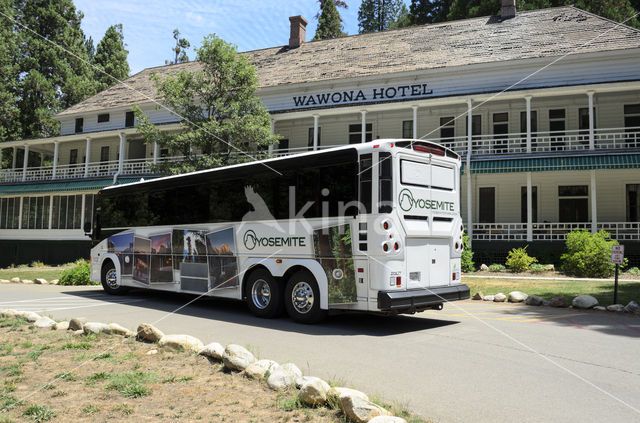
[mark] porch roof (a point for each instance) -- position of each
(546, 164)
(44, 188)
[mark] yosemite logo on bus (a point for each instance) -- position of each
(407, 202)
(251, 241)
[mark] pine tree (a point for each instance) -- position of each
(180, 49)
(91, 50)
(377, 15)
(403, 19)
(428, 11)
(339, 3)
(9, 112)
(329, 25)
(111, 58)
(53, 64)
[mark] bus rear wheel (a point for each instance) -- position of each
(302, 298)
(110, 281)
(264, 294)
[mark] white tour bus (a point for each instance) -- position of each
(370, 227)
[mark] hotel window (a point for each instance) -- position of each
(557, 126)
(633, 202)
(73, 156)
(310, 137)
(104, 117)
(104, 153)
(632, 123)
(487, 205)
(573, 203)
(9, 212)
(79, 125)
(523, 127)
(500, 131)
(283, 144)
(476, 128)
(583, 123)
(67, 212)
(35, 213)
(355, 133)
(129, 119)
(407, 129)
(523, 204)
(447, 129)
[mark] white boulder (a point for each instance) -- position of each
(237, 357)
(180, 342)
(149, 333)
(488, 298)
(40, 281)
(387, 419)
(615, 307)
(499, 298)
(61, 326)
(44, 322)
(213, 350)
(632, 307)
(96, 328)
(314, 392)
(77, 323)
(29, 316)
(359, 410)
(584, 302)
(15, 280)
(117, 329)
(517, 297)
(283, 377)
(259, 369)
(5, 281)
(334, 393)
(27, 281)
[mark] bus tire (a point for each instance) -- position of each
(109, 279)
(264, 294)
(302, 298)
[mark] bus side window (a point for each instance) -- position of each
(365, 182)
(386, 187)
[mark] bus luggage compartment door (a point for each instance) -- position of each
(427, 262)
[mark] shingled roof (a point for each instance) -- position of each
(529, 35)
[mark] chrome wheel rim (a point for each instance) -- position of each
(302, 297)
(111, 279)
(261, 294)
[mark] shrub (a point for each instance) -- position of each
(466, 261)
(78, 275)
(588, 255)
(518, 260)
(37, 263)
(633, 271)
(538, 268)
(496, 268)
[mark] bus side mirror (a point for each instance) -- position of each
(87, 227)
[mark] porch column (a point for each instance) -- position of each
(87, 157)
(123, 139)
(82, 211)
(20, 215)
(594, 209)
(415, 122)
(13, 159)
(529, 208)
(56, 153)
(50, 211)
(25, 162)
(273, 130)
(468, 171)
(155, 152)
(41, 159)
(364, 126)
(315, 131)
(528, 100)
(1, 151)
(592, 140)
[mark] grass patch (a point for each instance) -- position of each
(123, 408)
(76, 346)
(12, 369)
(66, 376)
(603, 291)
(289, 401)
(7, 402)
(39, 413)
(90, 410)
(131, 385)
(31, 273)
(36, 353)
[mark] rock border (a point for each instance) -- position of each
(581, 302)
(312, 391)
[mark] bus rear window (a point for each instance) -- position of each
(426, 175)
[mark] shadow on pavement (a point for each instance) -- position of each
(237, 312)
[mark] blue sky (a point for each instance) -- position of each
(249, 24)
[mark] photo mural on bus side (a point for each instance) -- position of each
(332, 247)
(122, 246)
(223, 263)
(141, 258)
(189, 246)
(161, 261)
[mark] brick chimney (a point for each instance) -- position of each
(508, 9)
(298, 31)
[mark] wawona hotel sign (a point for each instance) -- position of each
(364, 95)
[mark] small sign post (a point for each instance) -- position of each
(617, 257)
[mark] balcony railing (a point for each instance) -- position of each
(620, 231)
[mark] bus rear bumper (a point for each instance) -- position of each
(420, 299)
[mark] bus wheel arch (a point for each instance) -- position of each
(302, 298)
(263, 292)
(110, 276)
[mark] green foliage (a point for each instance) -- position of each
(378, 15)
(9, 78)
(180, 49)
(588, 255)
(428, 11)
(466, 261)
(39, 413)
(111, 58)
(403, 19)
(37, 263)
(518, 260)
(235, 124)
(496, 268)
(329, 22)
(633, 271)
(78, 275)
(538, 268)
(131, 385)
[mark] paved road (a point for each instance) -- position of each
(471, 362)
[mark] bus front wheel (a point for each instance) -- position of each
(264, 294)
(302, 298)
(110, 281)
